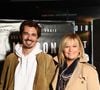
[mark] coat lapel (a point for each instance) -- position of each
(37, 71)
(54, 82)
(76, 74)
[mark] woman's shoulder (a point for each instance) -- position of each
(90, 65)
(89, 68)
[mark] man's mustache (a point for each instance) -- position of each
(28, 40)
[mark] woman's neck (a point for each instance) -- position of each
(69, 62)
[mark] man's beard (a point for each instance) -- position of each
(28, 44)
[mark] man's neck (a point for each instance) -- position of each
(26, 51)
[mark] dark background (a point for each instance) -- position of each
(35, 9)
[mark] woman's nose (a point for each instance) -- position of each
(70, 48)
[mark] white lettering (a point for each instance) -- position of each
(51, 49)
(84, 43)
(50, 30)
(45, 47)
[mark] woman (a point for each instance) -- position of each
(74, 72)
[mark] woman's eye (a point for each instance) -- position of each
(74, 46)
(66, 46)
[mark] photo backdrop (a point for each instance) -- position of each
(52, 31)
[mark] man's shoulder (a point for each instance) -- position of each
(11, 55)
(43, 55)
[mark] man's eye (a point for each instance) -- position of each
(33, 34)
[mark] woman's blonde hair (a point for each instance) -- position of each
(63, 42)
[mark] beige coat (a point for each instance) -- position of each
(84, 77)
(44, 73)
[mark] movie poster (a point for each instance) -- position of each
(6, 27)
(52, 31)
(84, 28)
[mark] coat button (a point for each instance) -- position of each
(82, 82)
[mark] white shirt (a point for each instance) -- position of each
(26, 69)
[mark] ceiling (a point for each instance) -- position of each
(41, 9)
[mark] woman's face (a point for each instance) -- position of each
(72, 49)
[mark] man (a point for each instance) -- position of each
(28, 68)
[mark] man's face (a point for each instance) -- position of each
(29, 37)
